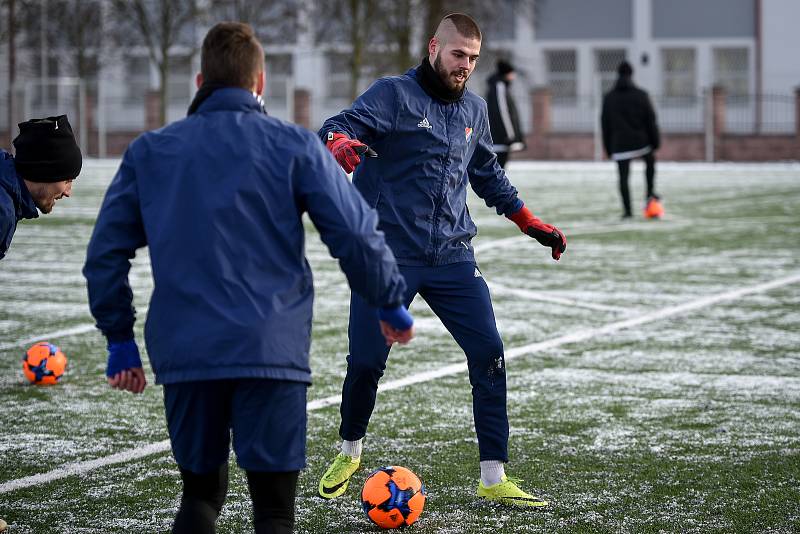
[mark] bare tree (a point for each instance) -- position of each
(485, 13)
(273, 20)
(379, 34)
(354, 23)
(12, 67)
(68, 31)
(81, 34)
(398, 25)
(4, 20)
(159, 26)
(401, 17)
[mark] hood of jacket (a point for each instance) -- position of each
(624, 83)
(13, 185)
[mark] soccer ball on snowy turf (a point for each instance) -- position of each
(393, 497)
(44, 364)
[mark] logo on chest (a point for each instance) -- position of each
(468, 133)
(424, 123)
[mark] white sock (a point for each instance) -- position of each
(352, 448)
(492, 472)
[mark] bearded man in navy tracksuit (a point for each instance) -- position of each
(432, 138)
(218, 198)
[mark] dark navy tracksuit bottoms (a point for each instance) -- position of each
(458, 295)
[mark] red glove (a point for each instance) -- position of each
(346, 151)
(546, 234)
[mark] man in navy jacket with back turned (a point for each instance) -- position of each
(218, 198)
(432, 139)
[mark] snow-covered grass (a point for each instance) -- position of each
(688, 421)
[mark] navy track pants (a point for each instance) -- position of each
(458, 295)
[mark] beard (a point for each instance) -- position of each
(42, 196)
(45, 205)
(450, 79)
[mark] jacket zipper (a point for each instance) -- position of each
(440, 197)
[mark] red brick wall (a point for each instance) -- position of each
(116, 142)
(562, 146)
(758, 148)
(545, 144)
(675, 147)
(302, 107)
(682, 147)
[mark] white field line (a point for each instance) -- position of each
(47, 336)
(79, 468)
(88, 327)
(538, 295)
(82, 329)
(583, 231)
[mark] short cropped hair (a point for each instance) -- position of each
(625, 69)
(465, 25)
(231, 55)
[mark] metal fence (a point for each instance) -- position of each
(106, 116)
(745, 114)
(766, 114)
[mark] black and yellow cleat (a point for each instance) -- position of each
(507, 492)
(336, 479)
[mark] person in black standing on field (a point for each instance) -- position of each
(630, 132)
(504, 125)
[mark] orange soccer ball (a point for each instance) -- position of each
(393, 497)
(44, 364)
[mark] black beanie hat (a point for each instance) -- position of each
(625, 69)
(46, 150)
(504, 67)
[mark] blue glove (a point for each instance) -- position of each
(122, 355)
(397, 317)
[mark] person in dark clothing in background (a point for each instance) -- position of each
(507, 134)
(47, 161)
(630, 132)
(218, 199)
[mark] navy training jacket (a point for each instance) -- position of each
(428, 150)
(15, 201)
(218, 198)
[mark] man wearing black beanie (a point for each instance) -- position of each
(47, 161)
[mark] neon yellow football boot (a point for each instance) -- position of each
(336, 479)
(507, 492)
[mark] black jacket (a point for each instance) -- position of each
(628, 119)
(503, 116)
